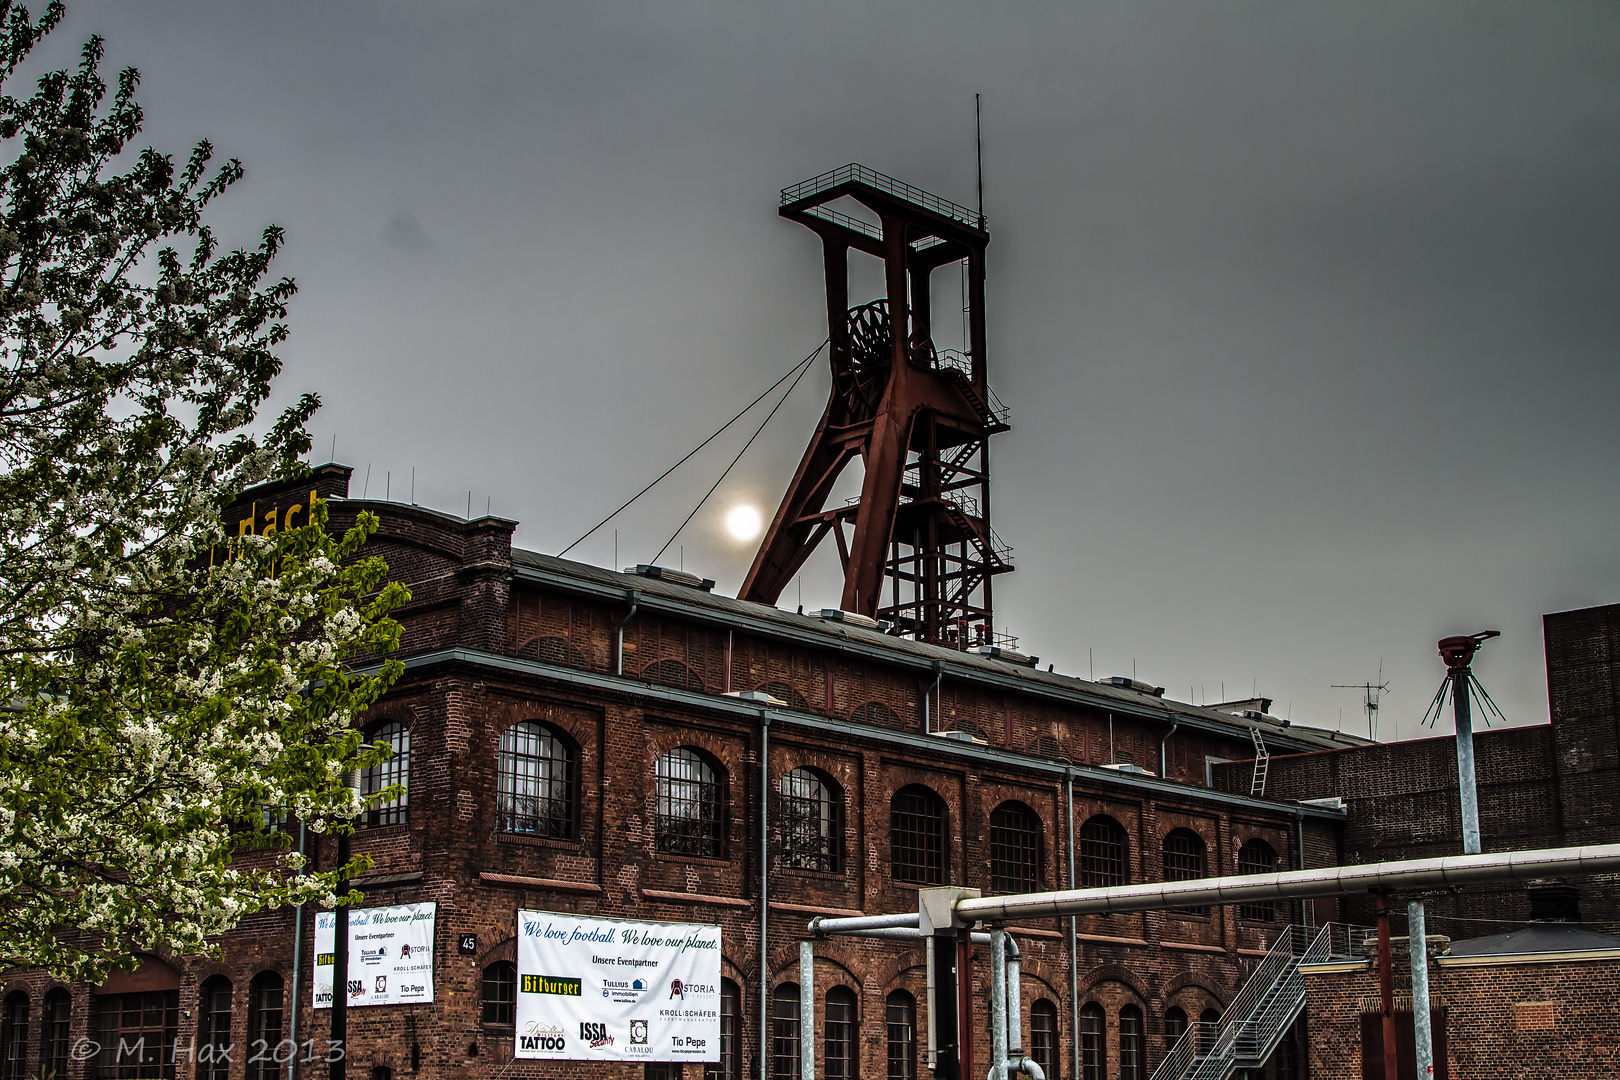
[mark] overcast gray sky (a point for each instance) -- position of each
(1308, 315)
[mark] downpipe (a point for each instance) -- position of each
(618, 633)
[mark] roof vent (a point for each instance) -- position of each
(832, 614)
(1012, 656)
(1334, 803)
(759, 696)
(962, 736)
(1128, 767)
(674, 577)
(1134, 684)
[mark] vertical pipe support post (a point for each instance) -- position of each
(1458, 653)
(1386, 986)
(807, 1010)
(998, 1003)
(1418, 940)
(949, 943)
(1015, 1002)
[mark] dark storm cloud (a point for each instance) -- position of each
(1307, 314)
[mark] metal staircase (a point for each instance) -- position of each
(1263, 1010)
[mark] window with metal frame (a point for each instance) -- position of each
(214, 1029)
(500, 993)
(1092, 1059)
(265, 1006)
(1132, 1063)
(1043, 1036)
(812, 821)
(663, 1070)
(1175, 1026)
(900, 1015)
(1015, 849)
(1209, 1028)
(14, 1037)
(917, 836)
(839, 1027)
(730, 1011)
(56, 1023)
(1184, 861)
(690, 818)
(534, 788)
(1257, 857)
(385, 774)
(135, 1035)
(1104, 854)
(785, 1032)
(1287, 1059)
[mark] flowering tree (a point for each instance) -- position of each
(168, 696)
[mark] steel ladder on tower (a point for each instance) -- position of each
(1263, 1010)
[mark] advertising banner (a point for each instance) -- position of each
(610, 990)
(390, 955)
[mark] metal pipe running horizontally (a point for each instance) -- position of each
(1410, 875)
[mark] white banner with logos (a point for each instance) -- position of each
(594, 989)
(390, 955)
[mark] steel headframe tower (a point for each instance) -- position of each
(922, 555)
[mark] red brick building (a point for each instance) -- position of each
(574, 739)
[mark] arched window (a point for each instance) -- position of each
(264, 1025)
(500, 993)
(1104, 858)
(689, 818)
(730, 1010)
(663, 1070)
(917, 836)
(1132, 1065)
(534, 793)
(838, 1038)
(1092, 1060)
(385, 774)
(1209, 1027)
(214, 1029)
(1257, 857)
(785, 1032)
(900, 1013)
(1184, 861)
(14, 1037)
(56, 1026)
(136, 1030)
(874, 712)
(672, 673)
(1043, 1036)
(1175, 1026)
(812, 816)
(785, 691)
(1015, 849)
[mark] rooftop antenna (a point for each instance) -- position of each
(1369, 702)
(978, 148)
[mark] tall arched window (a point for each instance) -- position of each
(785, 1032)
(1257, 857)
(1175, 1026)
(1092, 1061)
(1184, 861)
(838, 1038)
(1104, 857)
(500, 993)
(534, 792)
(917, 836)
(385, 774)
(812, 816)
(900, 1014)
(14, 1037)
(1015, 849)
(264, 1025)
(730, 1011)
(56, 1026)
(214, 1029)
(1043, 1036)
(1132, 1064)
(689, 819)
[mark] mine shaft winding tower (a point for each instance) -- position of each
(920, 554)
